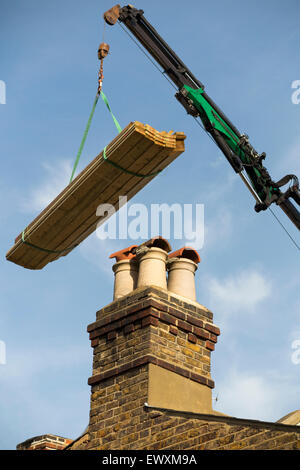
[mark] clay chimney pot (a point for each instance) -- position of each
(182, 265)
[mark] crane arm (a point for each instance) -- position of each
(191, 94)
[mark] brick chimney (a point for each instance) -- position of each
(150, 346)
(151, 384)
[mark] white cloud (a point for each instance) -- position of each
(247, 396)
(262, 396)
(56, 179)
(239, 293)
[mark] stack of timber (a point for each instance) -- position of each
(71, 216)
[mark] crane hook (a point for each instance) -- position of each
(103, 51)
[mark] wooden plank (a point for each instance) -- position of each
(89, 205)
(91, 202)
(53, 213)
(71, 216)
(89, 225)
(85, 201)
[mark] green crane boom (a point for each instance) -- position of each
(236, 147)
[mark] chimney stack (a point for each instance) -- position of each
(152, 344)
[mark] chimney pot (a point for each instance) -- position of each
(152, 267)
(158, 242)
(126, 253)
(186, 252)
(126, 275)
(182, 265)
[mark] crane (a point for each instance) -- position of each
(236, 147)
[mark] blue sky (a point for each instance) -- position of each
(247, 55)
